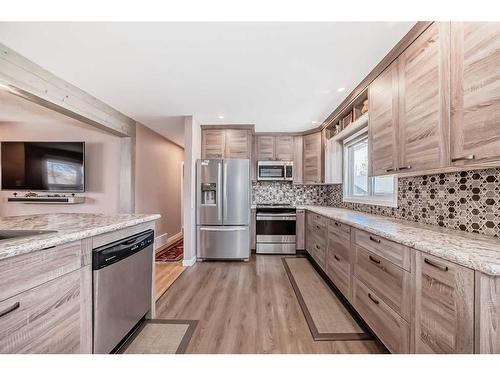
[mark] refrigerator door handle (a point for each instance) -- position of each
(219, 205)
(225, 191)
(223, 229)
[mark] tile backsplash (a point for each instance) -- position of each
(468, 201)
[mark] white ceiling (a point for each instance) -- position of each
(278, 76)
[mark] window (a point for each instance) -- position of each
(358, 187)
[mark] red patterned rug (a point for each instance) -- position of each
(173, 253)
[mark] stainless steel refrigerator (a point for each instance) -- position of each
(223, 209)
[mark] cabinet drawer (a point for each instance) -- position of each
(390, 328)
(318, 252)
(318, 221)
(392, 251)
(23, 272)
(338, 270)
(340, 229)
(390, 282)
(55, 317)
(339, 250)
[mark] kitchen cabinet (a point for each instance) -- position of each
(265, 147)
(284, 145)
(300, 226)
(297, 159)
(424, 97)
(444, 306)
(238, 144)
(316, 226)
(312, 169)
(409, 122)
(475, 94)
(253, 234)
(338, 256)
(213, 143)
(382, 123)
(280, 147)
(226, 144)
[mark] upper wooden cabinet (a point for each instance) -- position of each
(444, 306)
(475, 93)
(280, 147)
(312, 169)
(409, 107)
(424, 92)
(382, 125)
(226, 143)
(284, 147)
(265, 147)
(238, 144)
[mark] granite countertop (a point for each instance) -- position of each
(69, 227)
(479, 252)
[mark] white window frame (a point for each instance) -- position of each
(380, 200)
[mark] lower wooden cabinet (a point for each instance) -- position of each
(389, 326)
(444, 306)
(55, 317)
(300, 226)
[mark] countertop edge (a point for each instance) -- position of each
(60, 239)
(469, 262)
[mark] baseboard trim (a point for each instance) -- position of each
(189, 262)
(163, 240)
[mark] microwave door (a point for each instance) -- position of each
(209, 191)
(271, 172)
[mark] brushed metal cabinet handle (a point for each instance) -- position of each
(337, 224)
(373, 299)
(467, 157)
(374, 239)
(8, 310)
(436, 265)
(336, 258)
(392, 170)
(405, 167)
(377, 261)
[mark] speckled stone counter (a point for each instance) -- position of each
(69, 227)
(479, 252)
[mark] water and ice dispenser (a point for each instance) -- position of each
(208, 193)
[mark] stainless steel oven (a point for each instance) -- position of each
(275, 170)
(275, 230)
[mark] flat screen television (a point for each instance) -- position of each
(43, 166)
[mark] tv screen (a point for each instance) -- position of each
(43, 166)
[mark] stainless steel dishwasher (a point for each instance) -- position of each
(122, 281)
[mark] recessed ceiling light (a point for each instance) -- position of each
(340, 89)
(220, 117)
(315, 122)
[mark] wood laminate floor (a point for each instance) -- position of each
(246, 307)
(165, 275)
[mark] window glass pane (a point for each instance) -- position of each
(383, 185)
(360, 168)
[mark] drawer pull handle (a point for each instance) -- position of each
(373, 299)
(337, 224)
(317, 226)
(317, 247)
(374, 239)
(391, 170)
(8, 310)
(336, 258)
(405, 167)
(468, 157)
(374, 260)
(438, 266)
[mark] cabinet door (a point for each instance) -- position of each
(55, 317)
(297, 159)
(312, 162)
(424, 101)
(265, 147)
(301, 229)
(382, 123)
(213, 143)
(444, 301)
(475, 93)
(284, 148)
(238, 144)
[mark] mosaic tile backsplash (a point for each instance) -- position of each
(468, 201)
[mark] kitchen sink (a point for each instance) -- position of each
(10, 234)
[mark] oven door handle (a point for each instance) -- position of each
(276, 215)
(280, 218)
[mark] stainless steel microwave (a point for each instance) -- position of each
(275, 170)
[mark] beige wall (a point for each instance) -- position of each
(158, 179)
(102, 160)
